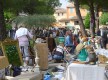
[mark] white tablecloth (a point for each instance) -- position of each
(84, 72)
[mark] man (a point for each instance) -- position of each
(23, 36)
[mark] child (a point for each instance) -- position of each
(58, 52)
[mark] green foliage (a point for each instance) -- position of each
(104, 18)
(87, 21)
(9, 16)
(8, 27)
(31, 6)
(36, 20)
(12, 54)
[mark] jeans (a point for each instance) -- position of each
(25, 52)
(57, 57)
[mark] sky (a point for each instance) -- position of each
(64, 3)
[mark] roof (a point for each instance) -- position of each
(66, 19)
(60, 10)
(75, 18)
(70, 5)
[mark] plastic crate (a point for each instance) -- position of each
(47, 77)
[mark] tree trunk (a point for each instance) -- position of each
(2, 23)
(92, 19)
(97, 18)
(76, 4)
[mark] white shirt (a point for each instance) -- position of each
(60, 49)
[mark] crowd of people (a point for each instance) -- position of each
(72, 39)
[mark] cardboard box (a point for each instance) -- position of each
(3, 62)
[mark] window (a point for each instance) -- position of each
(76, 22)
(71, 10)
(58, 14)
(62, 14)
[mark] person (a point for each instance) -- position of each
(23, 35)
(68, 42)
(58, 52)
(104, 37)
(12, 32)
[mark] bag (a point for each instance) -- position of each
(13, 71)
(79, 47)
(82, 56)
(16, 71)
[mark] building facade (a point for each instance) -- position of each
(69, 17)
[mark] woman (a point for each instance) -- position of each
(23, 35)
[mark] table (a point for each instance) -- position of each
(29, 76)
(84, 72)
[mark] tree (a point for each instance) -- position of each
(87, 21)
(31, 6)
(35, 20)
(92, 17)
(8, 16)
(17, 6)
(2, 23)
(104, 18)
(94, 7)
(76, 3)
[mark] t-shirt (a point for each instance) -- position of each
(60, 49)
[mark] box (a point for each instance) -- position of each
(3, 62)
(47, 77)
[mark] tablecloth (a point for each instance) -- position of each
(84, 72)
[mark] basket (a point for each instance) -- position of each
(102, 59)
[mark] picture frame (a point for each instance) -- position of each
(12, 51)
